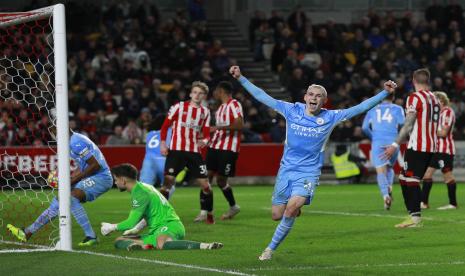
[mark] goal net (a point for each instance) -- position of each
(33, 99)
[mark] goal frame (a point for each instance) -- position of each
(57, 12)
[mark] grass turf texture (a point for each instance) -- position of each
(344, 231)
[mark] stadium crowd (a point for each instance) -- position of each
(126, 64)
(352, 61)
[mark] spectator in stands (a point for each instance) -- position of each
(297, 85)
(297, 20)
(263, 35)
(278, 131)
(91, 102)
(117, 137)
(122, 49)
(144, 120)
(102, 124)
(133, 132)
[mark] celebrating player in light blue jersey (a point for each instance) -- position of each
(153, 167)
(91, 179)
(308, 127)
(381, 125)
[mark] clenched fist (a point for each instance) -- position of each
(390, 86)
(235, 71)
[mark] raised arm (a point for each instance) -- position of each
(256, 92)
(368, 104)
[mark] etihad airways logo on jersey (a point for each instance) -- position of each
(193, 126)
(307, 131)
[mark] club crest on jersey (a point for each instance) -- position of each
(135, 203)
(411, 109)
(320, 121)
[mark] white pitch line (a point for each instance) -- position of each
(25, 250)
(353, 266)
(231, 272)
(337, 213)
(44, 248)
(28, 244)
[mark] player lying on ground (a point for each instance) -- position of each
(444, 157)
(381, 125)
(89, 181)
(308, 128)
(166, 230)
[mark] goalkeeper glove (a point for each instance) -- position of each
(107, 228)
(136, 229)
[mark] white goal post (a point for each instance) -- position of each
(58, 33)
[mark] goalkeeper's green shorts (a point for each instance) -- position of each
(174, 229)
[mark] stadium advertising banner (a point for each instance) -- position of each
(254, 159)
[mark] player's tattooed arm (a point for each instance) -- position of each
(404, 132)
(407, 128)
(91, 169)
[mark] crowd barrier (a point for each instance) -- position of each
(255, 160)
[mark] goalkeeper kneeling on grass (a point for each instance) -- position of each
(149, 207)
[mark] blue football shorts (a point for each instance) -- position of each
(153, 169)
(94, 186)
(290, 184)
(377, 150)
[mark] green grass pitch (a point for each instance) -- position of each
(344, 232)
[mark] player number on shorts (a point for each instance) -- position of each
(227, 170)
(385, 117)
(203, 169)
(88, 182)
(154, 142)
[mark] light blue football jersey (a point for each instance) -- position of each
(306, 135)
(82, 148)
(152, 142)
(381, 124)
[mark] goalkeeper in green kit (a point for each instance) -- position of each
(149, 207)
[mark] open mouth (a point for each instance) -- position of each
(312, 104)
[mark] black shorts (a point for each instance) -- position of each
(177, 160)
(442, 161)
(416, 163)
(222, 162)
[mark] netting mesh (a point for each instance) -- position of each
(26, 147)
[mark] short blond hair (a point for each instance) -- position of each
(320, 87)
(200, 85)
(421, 76)
(442, 96)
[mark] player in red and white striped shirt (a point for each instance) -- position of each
(224, 146)
(421, 124)
(190, 123)
(444, 157)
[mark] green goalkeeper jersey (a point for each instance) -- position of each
(148, 203)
